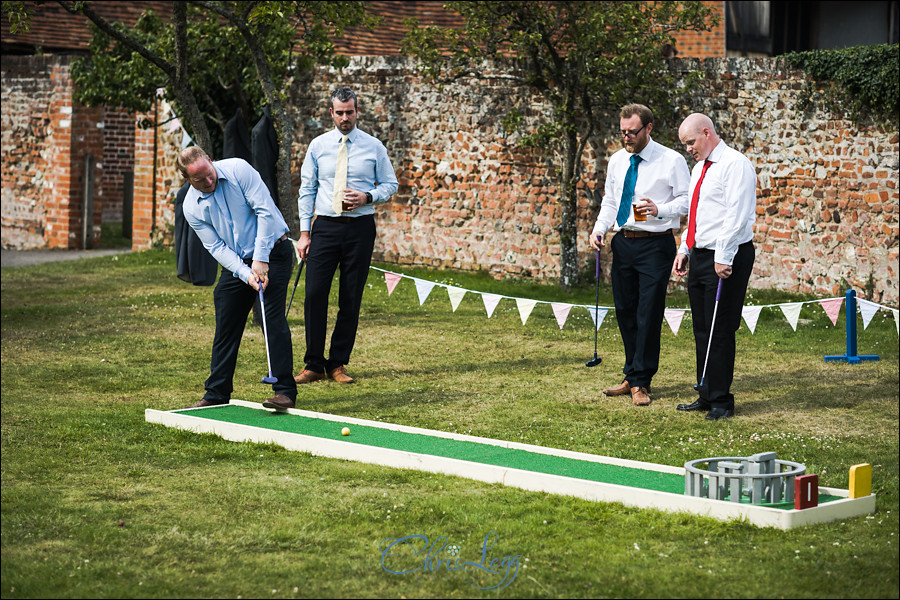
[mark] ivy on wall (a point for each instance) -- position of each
(863, 81)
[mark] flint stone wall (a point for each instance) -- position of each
(471, 198)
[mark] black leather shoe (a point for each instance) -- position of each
(715, 414)
(695, 405)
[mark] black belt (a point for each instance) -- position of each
(335, 219)
(642, 234)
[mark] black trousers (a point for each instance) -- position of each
(640, 274)
(233, 300)
(346, 244)
(702, 285)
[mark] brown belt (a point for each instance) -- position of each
(642, 234)
(281, 239)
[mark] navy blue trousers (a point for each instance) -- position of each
(347, 245)
(233, 300)
(640, 275)
(702, 285)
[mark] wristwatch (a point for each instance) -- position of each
(368, 198)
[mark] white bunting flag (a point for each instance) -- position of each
(673, 318)
(791, 312)
(751, 316)
(423, 288)
(525, 308)
(561, 311)
(896, 319)
(490, 302)
(391, 279)
(832, 308)
(456, 295)
(867, 310)
(597, 315)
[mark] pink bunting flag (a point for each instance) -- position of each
(561, 311)
(391, 279)
(832, 308)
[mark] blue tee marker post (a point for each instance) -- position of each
(851, 357)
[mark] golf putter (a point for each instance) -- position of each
(709, 343)
(296, 280)
(262, 312)
(596, 360)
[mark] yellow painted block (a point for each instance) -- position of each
(860, 480)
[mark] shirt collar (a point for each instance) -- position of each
(716, 154)
(647, 151)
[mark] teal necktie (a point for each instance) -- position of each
(628, 191)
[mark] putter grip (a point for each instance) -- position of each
(597, 270)
(719, 290)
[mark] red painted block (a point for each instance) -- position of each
(806, 491)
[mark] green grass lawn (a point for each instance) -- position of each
(97, 502)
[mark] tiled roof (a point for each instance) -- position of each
(53, 30)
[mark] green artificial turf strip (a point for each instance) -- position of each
(448, 448)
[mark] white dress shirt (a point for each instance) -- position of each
(662, 176)
(727, 206)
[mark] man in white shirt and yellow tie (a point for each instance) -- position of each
(645, 196)
(718, 245)
(345, 173)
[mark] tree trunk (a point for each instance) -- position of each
(568, 218)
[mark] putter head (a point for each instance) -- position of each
(269, 379)
(594, 361)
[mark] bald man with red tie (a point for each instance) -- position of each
(718, 245)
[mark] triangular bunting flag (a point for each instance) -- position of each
(391, 279)
(525, 308)
(832, 308)
(896, 319)
(791, 312)
(562, 312)
(423, 288)
(867, 310)
(490, 302)
(673, 318)
(751, 316)
(597, 315)
(456, 295)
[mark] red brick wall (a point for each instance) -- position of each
(118, 159)
(704, 44)
(45, 140)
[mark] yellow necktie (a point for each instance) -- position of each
(340, 178)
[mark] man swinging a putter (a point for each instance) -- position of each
(718, 245)
(235, 217)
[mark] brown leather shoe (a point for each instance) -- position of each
(339, 374)
(620, 390)
(278, 401)
(204, 403)
(640, 396)
(307, 376)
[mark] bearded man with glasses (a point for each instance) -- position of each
(645, 195)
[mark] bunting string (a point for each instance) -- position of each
(673, 316)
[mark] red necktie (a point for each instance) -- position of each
(692, 216)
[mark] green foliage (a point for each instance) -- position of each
(222, 73)
(864, 81)
(586, 59)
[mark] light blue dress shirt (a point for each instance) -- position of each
(368, 170)
(238, 220)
